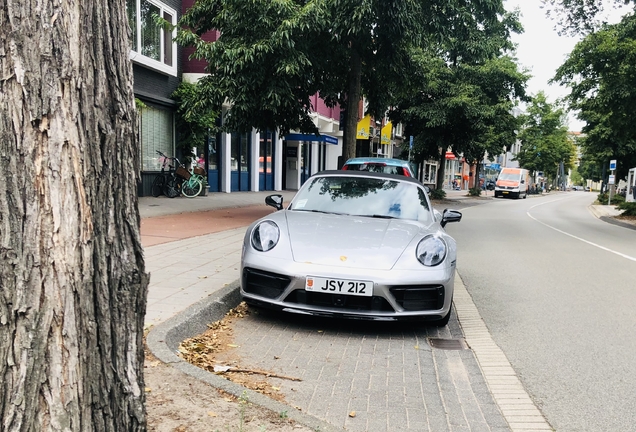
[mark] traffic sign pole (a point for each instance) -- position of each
(612, 180)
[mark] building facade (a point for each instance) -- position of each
(157, 69)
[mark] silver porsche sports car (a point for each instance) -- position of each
(353, 244)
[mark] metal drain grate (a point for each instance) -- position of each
(448, 344)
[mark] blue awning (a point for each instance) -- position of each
(311, 137)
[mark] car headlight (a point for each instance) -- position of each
(431, 251)
(265, 236)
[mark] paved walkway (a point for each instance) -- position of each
(192, 246)
(192, 249)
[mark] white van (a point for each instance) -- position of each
(512, 182)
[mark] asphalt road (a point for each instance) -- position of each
(557, 289)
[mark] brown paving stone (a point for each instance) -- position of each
(164, 229)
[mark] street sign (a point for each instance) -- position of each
(411, 142)
(612, 179)
(613, 165)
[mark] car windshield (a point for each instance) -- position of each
(362, 196)
(376, 167)
(508, 176)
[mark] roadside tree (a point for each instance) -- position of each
(72, 278)
(582, 16)
(544, 138)
(461, 96)
(272, 57)
(600, 74)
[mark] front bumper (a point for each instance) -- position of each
(397, 295)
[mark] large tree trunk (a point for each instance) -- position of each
(441, 170)
(72, 277)
(353, 98)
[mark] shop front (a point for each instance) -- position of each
(305, 155)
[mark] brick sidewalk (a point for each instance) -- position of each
(169, 228)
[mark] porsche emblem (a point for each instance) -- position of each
(343, 258)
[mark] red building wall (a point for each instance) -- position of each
(193, 65)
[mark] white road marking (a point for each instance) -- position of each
(631, 258)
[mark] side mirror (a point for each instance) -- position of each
(427, 189)
(523, 181)
(450, 216)
(275, 201)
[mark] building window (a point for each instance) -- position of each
(151, 44)
(157, 133)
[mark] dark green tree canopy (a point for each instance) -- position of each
(273, 55)
(582, 16)
(462, 94)
(601, 75)
(544, 137)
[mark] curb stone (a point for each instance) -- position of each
(163, 341)
(617, 222)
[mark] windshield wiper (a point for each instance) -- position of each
(380, 216)
(321, 211)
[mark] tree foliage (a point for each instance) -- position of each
(600, 73)
(581, 16)
(462, 95)
(544, 138)
(194, 125)
(589, 167)
(272, 56)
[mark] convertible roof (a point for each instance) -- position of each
(343, 173)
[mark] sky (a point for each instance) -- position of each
(541, 50)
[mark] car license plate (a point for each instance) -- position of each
(339, 286)
(504, 192)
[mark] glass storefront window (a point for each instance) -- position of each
(152, 45)
(157, 133)
(239, 152)
(212, 156)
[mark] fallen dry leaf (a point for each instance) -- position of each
(352, 414)
(212, 414)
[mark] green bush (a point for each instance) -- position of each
(629, 208)
(474, 191)
(616, 199)
(438, 194)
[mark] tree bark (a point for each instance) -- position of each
(441, 170)
(72, 276)
(353, 98)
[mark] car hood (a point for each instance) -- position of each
(349, 242)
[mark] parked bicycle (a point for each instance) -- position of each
(177, 179)
(192, 181)
(160, 183)
(168, 182)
